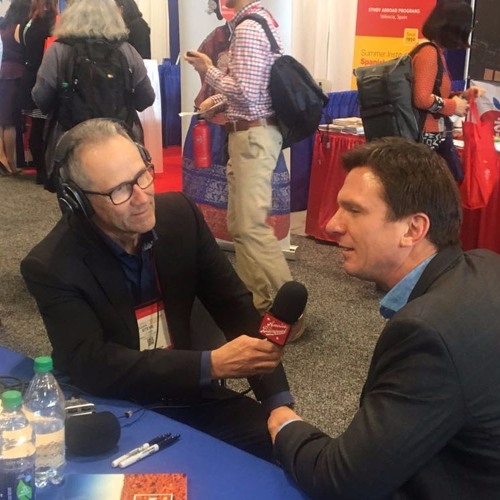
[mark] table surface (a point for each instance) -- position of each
(215, 470)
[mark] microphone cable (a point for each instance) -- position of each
(9, 383)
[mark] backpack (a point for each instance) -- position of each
(297, 100)
(386, 99)
(97, 83)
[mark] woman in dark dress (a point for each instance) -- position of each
(33, 34)
(139, 31)
(11, 71)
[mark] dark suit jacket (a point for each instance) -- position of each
(428, 426)
(89, 314)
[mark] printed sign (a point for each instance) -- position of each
(386, 29)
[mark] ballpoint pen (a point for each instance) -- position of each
(141, 448)
(149, 451)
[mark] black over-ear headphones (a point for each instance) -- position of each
(70, 196)
(218, 12)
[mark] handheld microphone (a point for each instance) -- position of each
(288, 306)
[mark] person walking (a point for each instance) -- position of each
(254, 145)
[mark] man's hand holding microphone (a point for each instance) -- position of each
(248, 356)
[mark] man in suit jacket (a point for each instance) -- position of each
(115, 281)
(428, 425)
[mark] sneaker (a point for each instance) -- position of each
(297, 329)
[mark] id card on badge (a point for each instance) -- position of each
(153, 327)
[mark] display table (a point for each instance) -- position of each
(215, 470)
(341, 104)
(479, 227)
(327, 177)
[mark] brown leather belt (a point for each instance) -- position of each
(239, 125)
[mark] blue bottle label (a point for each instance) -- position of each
(17, 485)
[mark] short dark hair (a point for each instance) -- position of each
(449, 24)
(414, 179)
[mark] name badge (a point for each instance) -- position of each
(153, 327)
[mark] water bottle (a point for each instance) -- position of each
(44, 407)
(17, 450)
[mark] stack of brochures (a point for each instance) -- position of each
(351, 125)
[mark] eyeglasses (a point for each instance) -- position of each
(123, 192)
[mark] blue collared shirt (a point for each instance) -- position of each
(139, 270)
(398, 296)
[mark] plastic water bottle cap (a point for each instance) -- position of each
(43, 364)
(11, 399)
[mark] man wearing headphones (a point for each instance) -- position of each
(115, 281)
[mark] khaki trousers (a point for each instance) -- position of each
(260, 263)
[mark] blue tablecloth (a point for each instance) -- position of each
(215, 470)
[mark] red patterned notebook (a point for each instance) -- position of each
(126, 486)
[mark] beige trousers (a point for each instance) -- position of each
(260, 263)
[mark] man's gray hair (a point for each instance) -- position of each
(89, 132)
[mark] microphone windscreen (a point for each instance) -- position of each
(290, 302)
(92, 434)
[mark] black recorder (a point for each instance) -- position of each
(77, 406)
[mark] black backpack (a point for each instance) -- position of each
(297, 100)
(386, 99)
(97, 83)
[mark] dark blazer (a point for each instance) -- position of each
(428, 426)
(88, 311)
